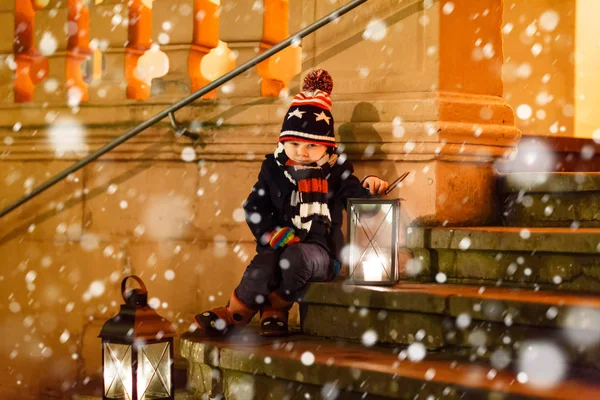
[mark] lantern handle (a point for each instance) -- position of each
(396, 182)
(124, 285)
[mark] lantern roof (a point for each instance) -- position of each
(136, 321)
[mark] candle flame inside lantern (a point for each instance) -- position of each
(372, 269)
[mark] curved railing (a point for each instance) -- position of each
(168, 112)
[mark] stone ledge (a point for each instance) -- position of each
(394, 327)
(378, 371)
(528, 307)
(565, 155)
(231, 110)
(493, 315)
(579, 209)
(402, 297)
(554, 199)
(555, 182)
(547, 271)
(423, 131)
(246, 142)
(553, 240)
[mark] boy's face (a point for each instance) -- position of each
(302, 152)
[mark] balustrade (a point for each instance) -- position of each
(188, 32)
(107, 50)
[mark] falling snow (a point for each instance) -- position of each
(416, 352)
(307, 358)
(48, 44)
(440, 277)
(178, 229)
(169, 274)
(376, 31)
(369, 338)
(448, 8)
(464, 243)
(542, 363)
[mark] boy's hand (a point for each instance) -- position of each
(282, 237)
(375, 185)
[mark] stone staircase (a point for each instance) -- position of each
(307, 367)
(485, 312)
(559, 199)
(550, 258)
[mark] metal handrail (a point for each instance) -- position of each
(184, 102)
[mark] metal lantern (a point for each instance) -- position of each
(373, 241)
(137, 350)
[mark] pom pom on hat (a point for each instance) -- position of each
(309, 117)
(318, 79)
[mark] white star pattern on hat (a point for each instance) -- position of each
(296, 113)
(323, 117)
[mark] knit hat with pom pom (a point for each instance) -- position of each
(309, 117)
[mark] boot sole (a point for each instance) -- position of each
(275, 334)
(212, 332)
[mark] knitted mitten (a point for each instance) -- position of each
(282, 237)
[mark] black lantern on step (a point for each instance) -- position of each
(137, 350)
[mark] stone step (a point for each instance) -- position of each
(246, 366)
(536, 258)
(552, 199)
(453, 316)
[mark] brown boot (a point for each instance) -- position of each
(223, 320)
(274, 317)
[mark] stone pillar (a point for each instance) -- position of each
(139, 41)
(78, 50)
(121, 31)
(265, 24)
(277, 72)
(427, 99)
(52, 40)
(66, 51)
(7, 59)
(31, 66)
(108, 35)
(188, 32)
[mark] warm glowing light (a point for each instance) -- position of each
(372, 269)
(217, 62)
(39, 4)
(153, 64)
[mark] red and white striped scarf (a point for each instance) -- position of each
(309, 199)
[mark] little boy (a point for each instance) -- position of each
(295, 213)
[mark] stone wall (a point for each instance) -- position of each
(170, 210)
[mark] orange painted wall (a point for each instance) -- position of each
(539, 77)
(470, 47)
(587, 70)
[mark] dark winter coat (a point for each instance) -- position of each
(271, 199)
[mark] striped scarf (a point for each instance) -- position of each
(309, 199)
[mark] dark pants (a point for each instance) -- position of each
(284, 271)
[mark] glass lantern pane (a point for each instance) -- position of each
(371, 237)
(117, 371)
(154, 371)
